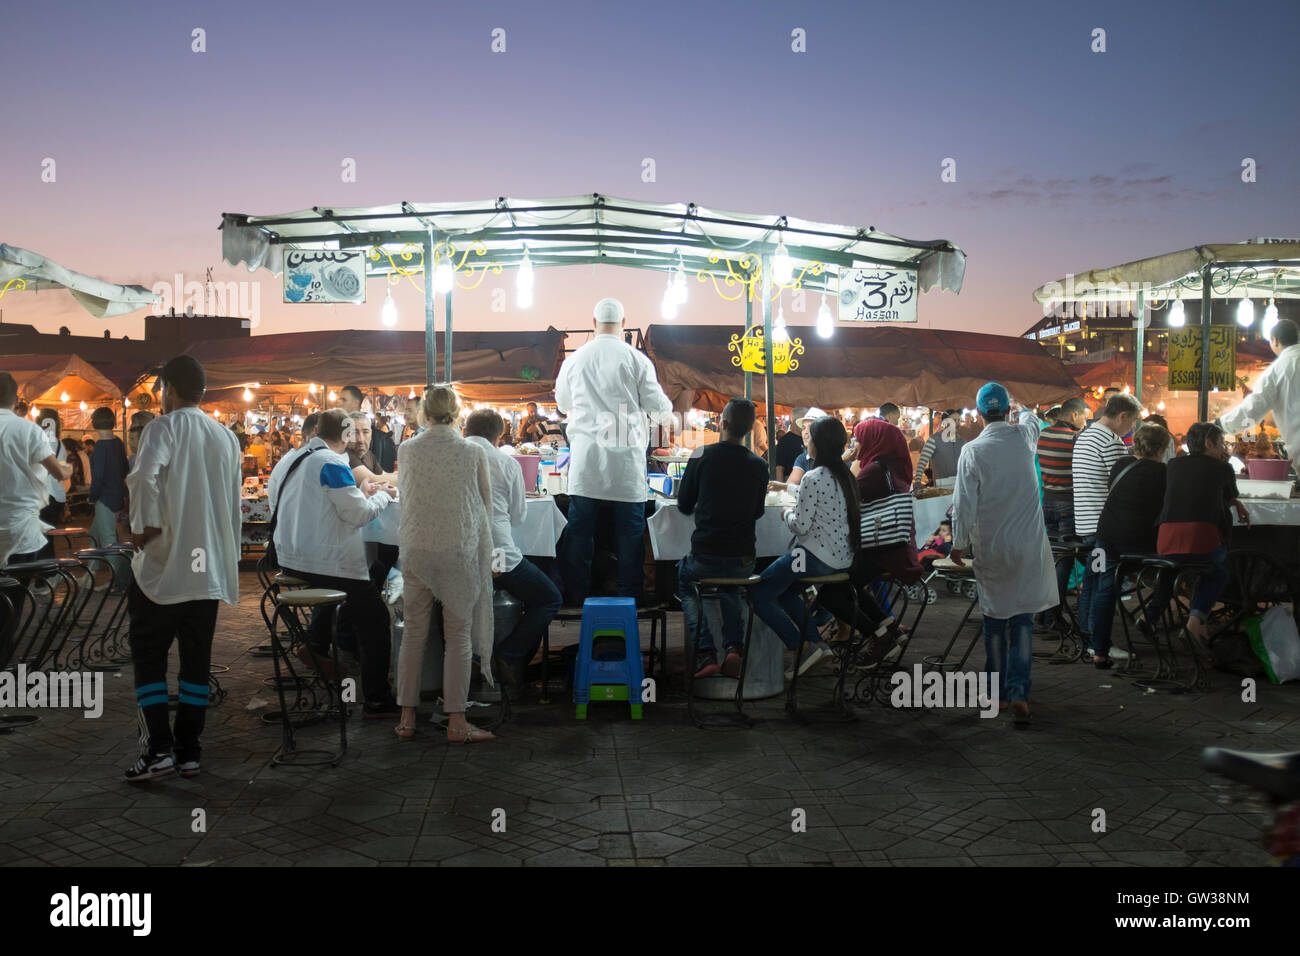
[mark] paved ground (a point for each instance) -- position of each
(905, 788)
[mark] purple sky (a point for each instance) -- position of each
(1066, 159)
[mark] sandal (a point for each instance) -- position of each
(470, 735)
(404, 732)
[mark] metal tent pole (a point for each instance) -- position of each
(1207, 306)
(767, 361)
(430, 336)
(446, 342)
(1141, 342)
(749, 376)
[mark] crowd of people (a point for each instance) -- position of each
(1110, 483)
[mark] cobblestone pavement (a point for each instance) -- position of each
(896, 787)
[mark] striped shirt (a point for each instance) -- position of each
(940, 457)
(1096, 449)
(1056, 458)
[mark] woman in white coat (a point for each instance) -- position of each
(446, 548)
(996, 513)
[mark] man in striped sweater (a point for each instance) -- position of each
(1096, 449)
(1056, 464)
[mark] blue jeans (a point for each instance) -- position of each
(580, 545)
(777, 596)
(1103, 602)
(541, 599)
(1011, 670)
(1087, 589)
(1208, 589)
(692, 568)
(103, 529)
(1058, 516)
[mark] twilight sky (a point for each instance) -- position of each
(1066, 159)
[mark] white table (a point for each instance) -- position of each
(536, 537)
(1271, 511)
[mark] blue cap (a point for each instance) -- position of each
(993, 398)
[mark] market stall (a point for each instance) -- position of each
(67, 383)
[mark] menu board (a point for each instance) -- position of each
(324, 275)
(1185, 358)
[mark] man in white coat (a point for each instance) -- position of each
(1276, 391)
(607, 389)
(996, 514)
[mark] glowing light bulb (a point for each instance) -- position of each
(1177, 316)
(524, 282)
(387, 314)
(82, 406)
(1245, 313)
(126, 403)
(34, 412)
(64, 397)
(782, 267)
(779, 332)
(825, 321)
(248, 396)
(668, 307)
(1270, 318)
(679, 285)
(311, 389)
(442, 276)
(1160, 405)
(411, 395)
(333, 396)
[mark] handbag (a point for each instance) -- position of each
(271, 557)
(887, 521)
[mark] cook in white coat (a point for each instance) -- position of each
(996, 514)
(1276, 391)
(607, 389)
(186, 522)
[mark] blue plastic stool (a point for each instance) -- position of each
(608, 679)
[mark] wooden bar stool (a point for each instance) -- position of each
(714, 588)
(856, 639)
(288, 604)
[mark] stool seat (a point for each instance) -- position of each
(67, 562)
(311, 597)
(1153, 562)
(112, 551)
(1138, 558)
(289, 581)
(568, 614)
(68, 532)
(731, 582)
(838, 577)
(43, 566)
(8, 582)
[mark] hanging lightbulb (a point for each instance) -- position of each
(1245, 313)
(333, 396)
(1177, 315)
(126, 403)
(825, 321)
(782, 267)
(65, 398)
(678, 285)
(668, 307)
(215, 413)
(1160, 405)
(311, 389)
(387, 315)
(248, 396)
(524, 282)
(411, 395)
(442, 276)
(1270, 318)
(34, 412)
(779, 332)
(82, 406)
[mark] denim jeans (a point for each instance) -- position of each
(1009, 665)
(1103, 601)
(580, 545)
(1208, 589)
(104, 530)
(1058, 516)
(777, 596)
(541, 599)
(1087, 589)
(692, 568)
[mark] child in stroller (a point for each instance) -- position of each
(939, 544)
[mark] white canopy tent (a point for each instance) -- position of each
(1258, 269)
(24, 271)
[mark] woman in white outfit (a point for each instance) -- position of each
(446, 548)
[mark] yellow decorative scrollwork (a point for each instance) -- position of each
(747, 271)
(410, 253)
(18, 284)
(752, 356)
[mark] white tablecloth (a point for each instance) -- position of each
(670, 530)
(1271, 511)
(536, 537)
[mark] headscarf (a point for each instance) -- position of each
(879, 441)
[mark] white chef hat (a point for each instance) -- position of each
(608, 312)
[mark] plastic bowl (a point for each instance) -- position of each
(1268, 469)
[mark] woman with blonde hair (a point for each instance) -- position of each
(446, 547)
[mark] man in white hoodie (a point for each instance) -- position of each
(607, 388)
(320, 512)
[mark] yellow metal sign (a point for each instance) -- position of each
(1185, 358)
(751, 355)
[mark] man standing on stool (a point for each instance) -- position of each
(186, 524)
(607, 388)
(996, 511)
